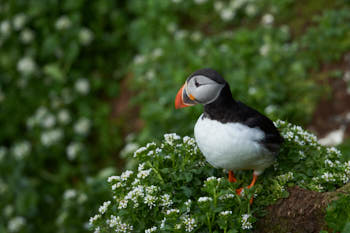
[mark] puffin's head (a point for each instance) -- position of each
(201, 87)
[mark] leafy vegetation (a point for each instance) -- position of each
(338, 216)
(266, 67)
(58, 68)
(62, 63)
(175, 190)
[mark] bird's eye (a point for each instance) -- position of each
(196, 83)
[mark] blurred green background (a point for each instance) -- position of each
(83, 83)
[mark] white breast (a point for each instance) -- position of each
(232, 145)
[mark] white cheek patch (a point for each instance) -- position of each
(203, 89)
(207, 93)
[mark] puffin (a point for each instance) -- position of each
(230, 134)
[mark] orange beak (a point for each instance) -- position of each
(182, 100)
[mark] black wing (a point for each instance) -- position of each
(253, 118)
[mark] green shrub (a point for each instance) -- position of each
(58, 70)
(175, 190)
(338, 215)
(266, 66)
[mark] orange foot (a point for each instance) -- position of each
(231, 177)
(239, 191)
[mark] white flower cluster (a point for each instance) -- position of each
(226, 196)
(26, 66)
(82, 86)
(171, 211)
(205, 199)
(69, 194)
(189, 223)
(225, 213)
(188, 205)
(152, 229)
(328, 177)
(21, 149)
(297, 134)
(245, 222)
(51, 137)
(93, 219)
(118, 225)
(171, 138)
(213, 178)
(142, 149)
(63, 23)
(73, 149)
(103, 208)
(228, 11)
(82, 126)
(165, 200)
(16, 224)
(285, 177)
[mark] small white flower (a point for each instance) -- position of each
(3, 152)
(93, 219)
(158, 52)
(69, 194)
(85, 36)
(63, 23)
(139, 59)
(113, 178)
(82, 86)
(171, 137)
(144, 173)
(16, 224)
(21, 149)
(50, 137)
(227, 14)
(26, 36)
(251, 10)
(245, 222)
(264, 50)
(270, 109)
(5, 27)
(82, 127)
(218, 5)
(165, 200)
(73, 149)
(226, 196)
(123, 204)
(190, 223)
(152, 229)
(267, 19)
(125, 175)
(104, 207)
(19, 21)
(8, 210)
(162, 224)
(204, 199)
(97, 230)
(139, 151)
(225, 213)
(200, 1)
(26, 66)
(150, 200)
(171, 211)
(329, 177)
(49, 121)
(64, 116)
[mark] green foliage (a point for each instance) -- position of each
(338, 215)
(266, 66)
(175, 190)
(58, 67)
